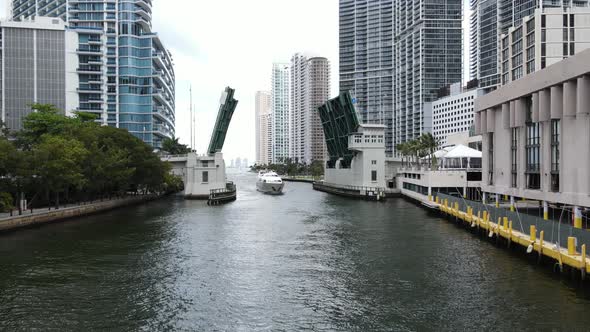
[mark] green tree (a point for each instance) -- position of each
(6, 202)
(317, 168)
(54, 154)
(402, 149)
(4, 131)
(430, 145)
(15, 168)
(86, 117)
(172, 146)
(59, 163)
(45, 119)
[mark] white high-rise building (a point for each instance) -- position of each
(280, 112)
(263, 128)
(544, 38)
(453, 113)
(310, 88)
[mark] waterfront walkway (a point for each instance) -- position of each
(566, 245)
(45, 210)
(42, 216)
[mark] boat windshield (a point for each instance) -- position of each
(270, 174)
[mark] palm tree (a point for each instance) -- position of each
(402, 148)
(430, 144)
(172, 146)
(414, 149)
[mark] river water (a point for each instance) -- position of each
(301, 261)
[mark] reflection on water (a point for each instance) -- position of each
(303, 260)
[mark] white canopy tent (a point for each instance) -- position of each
(461, 157)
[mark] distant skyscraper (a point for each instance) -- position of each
(280, 112)
(263, 128)
(366, 60)
(126, 75)
(310, 88)
(427, 56)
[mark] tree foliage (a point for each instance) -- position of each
(172, 146)
(76, 158)
(292, 168)
(423, 146)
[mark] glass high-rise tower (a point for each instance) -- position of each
(126, 75)
(394, 56)
(366, 60)
(427, 56)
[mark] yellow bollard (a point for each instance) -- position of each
(510, 230)
(541, 242)
(577, 217)
(485, 215)
(571, 245)
(505, 222)
(437, 200)
(545, 210)
(583, 258)
(533, 233)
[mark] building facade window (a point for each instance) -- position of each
(514, 157)
(205, 177)
(491, 159)
(533, 148)
(555, 140)
(374, 176)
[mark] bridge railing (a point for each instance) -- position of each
(230, 187)
(352, 188)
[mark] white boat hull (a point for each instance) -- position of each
(270, 188)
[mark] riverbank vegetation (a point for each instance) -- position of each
(56, 159)
(290, 168)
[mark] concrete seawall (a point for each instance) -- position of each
(46, 217)
(295, 179)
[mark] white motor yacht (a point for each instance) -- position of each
(269, 183)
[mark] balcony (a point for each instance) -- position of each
(89, 50)
(94, 41)
(89, 70)
(161, 130)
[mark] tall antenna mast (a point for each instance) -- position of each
(194, 124)
(191, 115)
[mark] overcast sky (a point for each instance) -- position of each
(234, 43)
